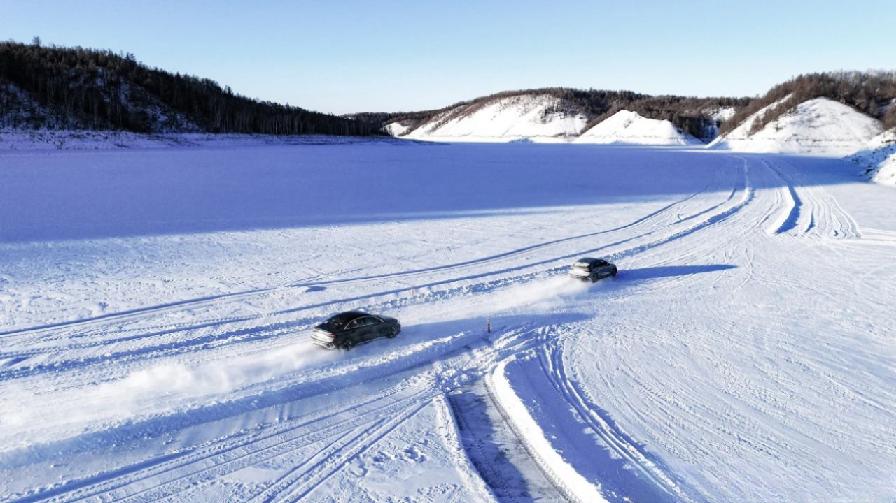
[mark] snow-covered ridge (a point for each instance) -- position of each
(817, 126)
(504, 119)
(626, 127)
(539, 118)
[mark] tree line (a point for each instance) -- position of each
(97, 89)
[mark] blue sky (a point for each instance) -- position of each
(345, 56)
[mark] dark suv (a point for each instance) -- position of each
(348, 329)
(592, 269)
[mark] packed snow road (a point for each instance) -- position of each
(155, 309)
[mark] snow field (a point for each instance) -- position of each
(707, 370)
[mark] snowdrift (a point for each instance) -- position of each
(878, 161)
(535, 117)
(397, 129)
(818, 126)
(626, 127)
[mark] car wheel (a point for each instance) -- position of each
(392, 333)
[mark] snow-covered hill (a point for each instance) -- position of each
(533, 117)
(817, 126)
(627, 127)
(555, 115)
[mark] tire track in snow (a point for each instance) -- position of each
(790, 214)
(809, 210)
(298, 483)
(230, 454)
(252, 334)
(709, 217)
(255, 334)
(153, 311)
(551, 362)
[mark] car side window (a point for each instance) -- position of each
(353, 324)
(366, 321)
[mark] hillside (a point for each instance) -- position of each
(561, 114)
(871, 93)
(75, 88)
(819, 126)
(822, 113)
(538, 116)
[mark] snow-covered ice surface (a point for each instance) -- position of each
(155, 307)
(627, 127)
(817, 126)
(536, 118)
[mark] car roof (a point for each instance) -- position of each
(589, 260)
(346, 317)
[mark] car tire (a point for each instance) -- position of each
(392, 333)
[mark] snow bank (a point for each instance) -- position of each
(561, 472)
(20, 140)
(818, 126)
(626, 127)
(537, 117)
(879, 160)
(397, 129)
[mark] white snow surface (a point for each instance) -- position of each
(156, 304)
(818, 126)
(531, 117)
(627, 127)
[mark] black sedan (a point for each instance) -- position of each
(592, 269)
(348, 329)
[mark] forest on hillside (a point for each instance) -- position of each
(65, 88)
(872, 93)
